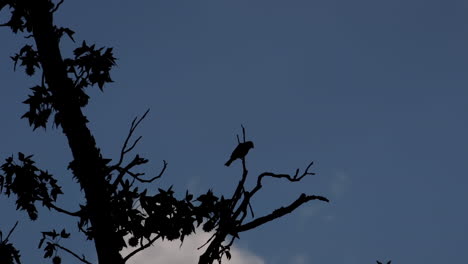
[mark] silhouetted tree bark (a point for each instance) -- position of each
(88, 165)
(110, 191)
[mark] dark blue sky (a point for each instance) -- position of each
(375, 92)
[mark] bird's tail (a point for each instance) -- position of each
(228, 162)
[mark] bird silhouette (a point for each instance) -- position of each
(239, 153)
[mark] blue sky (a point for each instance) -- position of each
(375, 92)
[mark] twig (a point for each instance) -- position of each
(141, 248)
(290, 178)
(133, 145)
(137, 160)
(243, 133)
(206, 243)
(251, 209)
(126, 149)
(136, 176)
(9, 233)
(57, 6)
(60, 210)
(82, 259)
(240, 186)
(280, 212)
(155, 177)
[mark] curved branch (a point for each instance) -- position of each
(248, 195)
(60, 210)
(140, 248)
(290, 178)
(135, 162)
(280, 212)
(155, 177)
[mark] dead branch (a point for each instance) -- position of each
(248, 195)
(243, 135)
(136, 176)
(280, 212)
(137, 160)
(125, 148)
(230, 224)
(290, 178)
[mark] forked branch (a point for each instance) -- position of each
(126, 148)
(290, 178)
(231, 223)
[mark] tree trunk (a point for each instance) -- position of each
(87, 166)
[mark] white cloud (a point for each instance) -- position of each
(172, 253)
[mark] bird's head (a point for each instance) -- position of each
(249, 144)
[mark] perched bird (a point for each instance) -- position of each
(241, 150)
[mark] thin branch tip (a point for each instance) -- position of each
(11, 231)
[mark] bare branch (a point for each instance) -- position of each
(280, 212)
(136, 176)
(240, 186)
(133, 145)
(125, 149)
(140, 248)
(82, 259)
(137, 160)
(243, 133)
(206, 243)
(9, 233)
(290, 178)
(155, 177)
(251, 209)
(240, 207)
(57, 6)
(248, 195)
(60, 210)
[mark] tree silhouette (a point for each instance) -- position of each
(116, 205)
